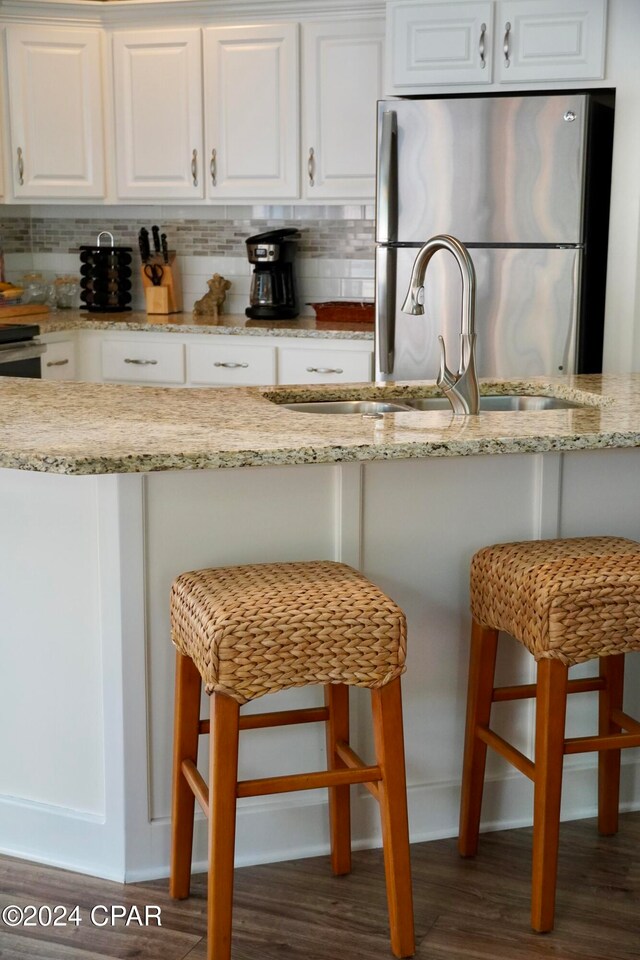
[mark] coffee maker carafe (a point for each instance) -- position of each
(273, 289)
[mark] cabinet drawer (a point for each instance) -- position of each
(142, 361)
(323, 366)
(59, 362)
(233, 364)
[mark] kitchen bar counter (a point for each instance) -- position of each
(84, 428)
(87, 562)
(226, 325)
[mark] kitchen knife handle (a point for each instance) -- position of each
(311, 163)
(20, 167)
(213, 167)
(483, 33)
(506, 42)
(194, 167)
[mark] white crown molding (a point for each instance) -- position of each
(134, 12)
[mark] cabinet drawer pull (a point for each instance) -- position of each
(311, 164)
(213, 166)
(324, 370)
(194, 167)
(20, 167)
(505, 45)
(230, 365)
(57, 363)
(141, 363)
(483, 32)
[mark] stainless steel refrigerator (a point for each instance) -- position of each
(524, 182)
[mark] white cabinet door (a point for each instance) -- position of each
(56, 112)
(225, 364)
(328, 365)
(143, 360)
(438, 43)
(59, 361)
(342, 78)
(158, 113)
(551, 40)
(251, 104)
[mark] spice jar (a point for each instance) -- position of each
(66, 292)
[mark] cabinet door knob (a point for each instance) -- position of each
(213, 166)
(194, 167)
(230, 365)
(483, 33)
(311, 163)
(141, 363)
(324, 370)
(57, 363)
(20, 167)
(505, 44)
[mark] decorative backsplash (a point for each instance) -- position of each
(335, 254)
(342, 239)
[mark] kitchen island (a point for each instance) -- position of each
(110, 491)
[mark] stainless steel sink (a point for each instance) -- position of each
(510, 402)
(363, 407)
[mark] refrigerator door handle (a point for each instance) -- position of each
(385, 309)
(387, 196)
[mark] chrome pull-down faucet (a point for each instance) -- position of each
(461, 389)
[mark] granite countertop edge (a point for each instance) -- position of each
(78, 428)
(228, 325)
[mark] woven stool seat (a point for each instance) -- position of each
(259, 628)
(571, 600)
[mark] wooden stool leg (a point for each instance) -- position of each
(392, 795)
(223, 776)
(336, 697)
(612, 670)
(551, 706)
(482, 665)
(185, 747)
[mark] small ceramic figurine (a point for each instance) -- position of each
(211, 304)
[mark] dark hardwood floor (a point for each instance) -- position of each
(465, 910)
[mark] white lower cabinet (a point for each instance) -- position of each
(59, 361)
(221, 364)
(143, 361)
(212, 360)
(310, 365)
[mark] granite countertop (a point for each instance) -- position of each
(228, 324)
(87, 428)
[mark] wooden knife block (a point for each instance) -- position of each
(167, 297)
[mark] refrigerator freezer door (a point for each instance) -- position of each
(526, 312)
(487, 169)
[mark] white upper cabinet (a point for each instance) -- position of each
(56, 112)
(551, 39)
(251, 108)
(482, 42)
(158, 114)
(342, 77)
(438, 43)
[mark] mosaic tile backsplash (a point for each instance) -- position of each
(335, 256)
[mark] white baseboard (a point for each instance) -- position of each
(281, 828)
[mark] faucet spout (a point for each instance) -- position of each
(462, 388)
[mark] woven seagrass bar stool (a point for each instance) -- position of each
(249, 630)
(567, 601)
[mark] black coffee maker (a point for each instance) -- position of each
(273, 288)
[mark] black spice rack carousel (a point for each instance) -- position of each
(105, 277)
